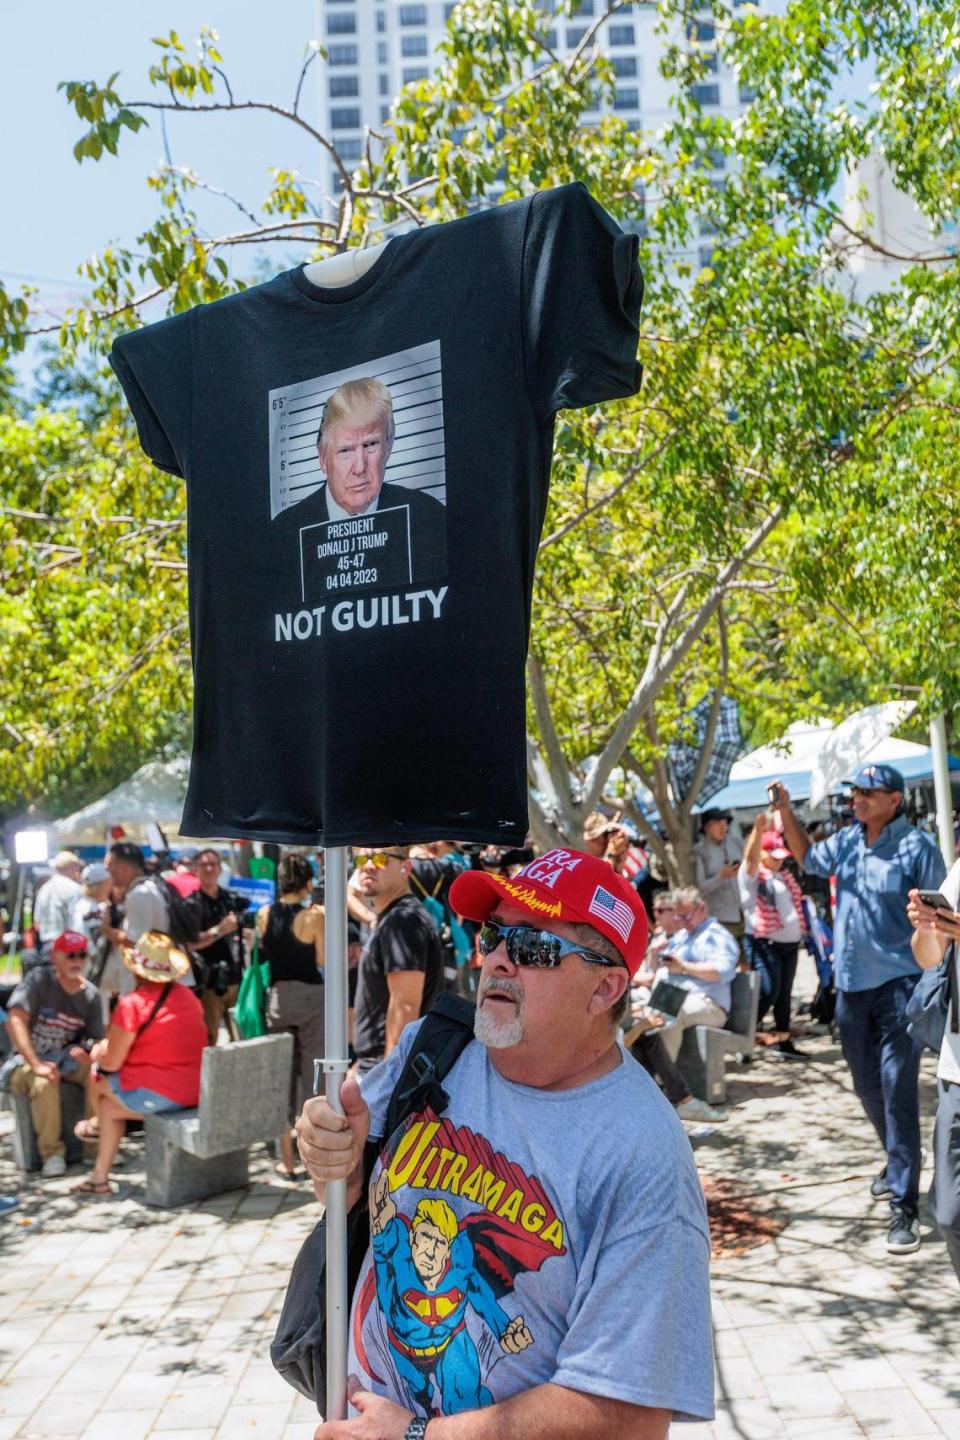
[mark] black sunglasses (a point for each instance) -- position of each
(538, 949)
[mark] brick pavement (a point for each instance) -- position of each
(122, 1323)
(820, 1332)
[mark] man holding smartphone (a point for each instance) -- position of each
(877, 862)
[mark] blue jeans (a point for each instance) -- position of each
(776, 964)
(141, 1100)
(885, 1065)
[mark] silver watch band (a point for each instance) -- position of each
(417, 1429)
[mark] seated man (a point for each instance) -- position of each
(54, 1016)
(644, 1036)
(702, 957)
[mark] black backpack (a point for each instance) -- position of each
(184, 928)
(298, 1351)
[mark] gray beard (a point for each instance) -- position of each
(494, 1031)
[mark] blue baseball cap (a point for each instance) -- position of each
(878, 777)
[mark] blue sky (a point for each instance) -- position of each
(59, 211)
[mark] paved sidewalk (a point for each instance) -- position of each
(820, 1332)
(122, 1323)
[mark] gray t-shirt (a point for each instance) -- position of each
(57, 1020)
(722, 896)
(578, 1210)
(146, 907)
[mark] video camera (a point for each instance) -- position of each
(217, 969)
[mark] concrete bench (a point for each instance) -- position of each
(73, 1100)
(244, 1095)
(705, 1049)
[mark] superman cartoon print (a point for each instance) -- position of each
(434, 1271)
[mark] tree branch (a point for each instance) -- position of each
(589, 37)
(303, 75)
(862, 238)
(273, 109)
(706, 750)
(198, 184)
(621, 485)
(550, 740)
(136, 663)
(649, 832)
(660, 666)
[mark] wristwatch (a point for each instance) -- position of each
(417, 1428)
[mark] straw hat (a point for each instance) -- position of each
(154, 957)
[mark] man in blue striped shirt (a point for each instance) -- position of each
(877, 861)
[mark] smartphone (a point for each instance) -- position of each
(774, 792)
(935, 900)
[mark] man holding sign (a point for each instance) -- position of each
(539, 1252)
(358, 532)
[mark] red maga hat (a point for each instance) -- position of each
(71, 942)
(562, 885)
(772, 843)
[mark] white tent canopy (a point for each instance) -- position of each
(813, 759)
(154, 793)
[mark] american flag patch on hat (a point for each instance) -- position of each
(616, 912)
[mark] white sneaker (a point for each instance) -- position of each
(56, 1165)
(692, 1109)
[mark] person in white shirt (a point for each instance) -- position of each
(934, 930)
(88, 909)
(53, 909)
(702, 957)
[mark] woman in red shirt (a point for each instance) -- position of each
(149, 1062)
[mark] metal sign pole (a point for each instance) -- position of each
(335, 1064)
(18, 910)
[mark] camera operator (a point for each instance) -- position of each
(219, 946)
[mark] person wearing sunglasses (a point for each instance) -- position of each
(401, 968)
(877, 862)
(53, 1019)
(539, 1252)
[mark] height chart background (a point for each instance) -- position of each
(414, 380)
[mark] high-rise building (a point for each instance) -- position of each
(375, 47)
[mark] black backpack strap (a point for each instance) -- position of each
(443, 1036)
(445, 1033)
(424, 893)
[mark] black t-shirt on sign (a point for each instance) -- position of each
(367, 471)
(405, 939)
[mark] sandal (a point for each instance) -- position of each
(92, 1187)
(88, 1130)
(292, 1175)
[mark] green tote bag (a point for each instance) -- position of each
(250, 1011)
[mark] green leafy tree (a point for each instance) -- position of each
(771, 496)
(92, 610)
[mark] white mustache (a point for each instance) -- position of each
(511, 988)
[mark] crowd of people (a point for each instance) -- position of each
(755, 901)
(141, 972)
